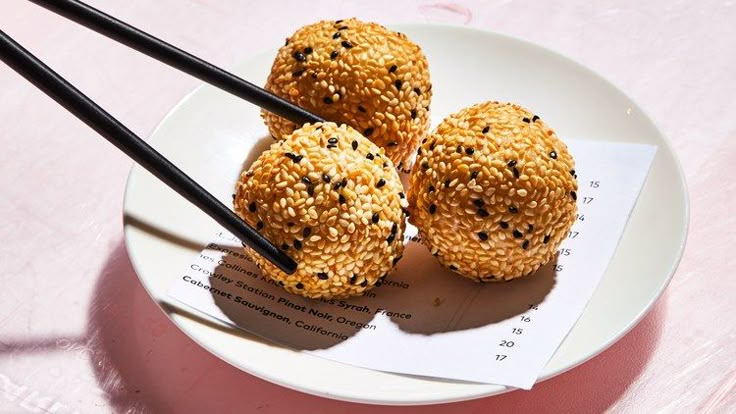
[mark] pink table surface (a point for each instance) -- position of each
(79, 334)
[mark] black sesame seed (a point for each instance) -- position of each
(406, 211)
(453, 267)
(431, 189)
(284, 246)
(346, 44)
(474, 175)
(525, 245)
(546, 239)
(572, 172)
(354, 145)
(306, 180)
(486, 129)
(297, 73)
(368, 132)
(330, 146)
(280, 282)
(344, 182)
(327, 100)
(447, 182)
(251, 173)
(553, 154)
(392, 69)
(515, 171)
(337, 186)
(370, 156)
(338, 21)
(306, 232)
(469, 151)
(432, 209)
(503, 224)
(353, 278)
(459, 149)
(334, 55)
(286, 42)
(375, 218)
(385, 164)
(326, 178)
(479, 203)
(294, 157)
(511, 164)
(336, 35)
(431, 146)
(322, 276)
(574, 195)
(483, 236)
(482, 212)
(364, 283)
(398, 84)
(310, 190)
(252, 207)
(299, 56)
(413, 114)
(300, 285)
(259, 225)
(380, 183)
(297, 244)
(343, 28)
(233, 196)
(308, 50)
(390, 239)
(332, 140)
(517, 234)
(425, 165)
(417, 91)
(513, 209)
(342, 199)
(534, 118)
(393, 143)
(394, 228)
(525, 119)
(401, 195)
(361, 109)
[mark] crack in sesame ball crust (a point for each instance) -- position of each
(358, 73)
(493, 192)
(333, 201)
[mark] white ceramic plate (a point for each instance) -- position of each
(210, 134)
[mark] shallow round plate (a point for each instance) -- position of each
(210, 134)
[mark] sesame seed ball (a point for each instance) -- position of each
(360, 74)
(493, 192)
(333, 201)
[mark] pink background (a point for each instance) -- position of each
(79, 334)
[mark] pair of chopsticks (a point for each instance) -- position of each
(64, 93)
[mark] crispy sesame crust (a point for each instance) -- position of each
(358, 73)
(493, 192)
(333, 201)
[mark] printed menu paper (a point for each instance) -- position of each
(425, 320)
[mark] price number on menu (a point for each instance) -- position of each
(506, 346)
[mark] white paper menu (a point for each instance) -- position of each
(425, 320)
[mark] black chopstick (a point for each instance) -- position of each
(158, 49)
(56, 87)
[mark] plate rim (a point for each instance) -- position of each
(169, 312)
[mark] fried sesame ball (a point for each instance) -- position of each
(333, 201)
(493, 192)
(360, 74)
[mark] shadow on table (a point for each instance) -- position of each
(143, 363)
